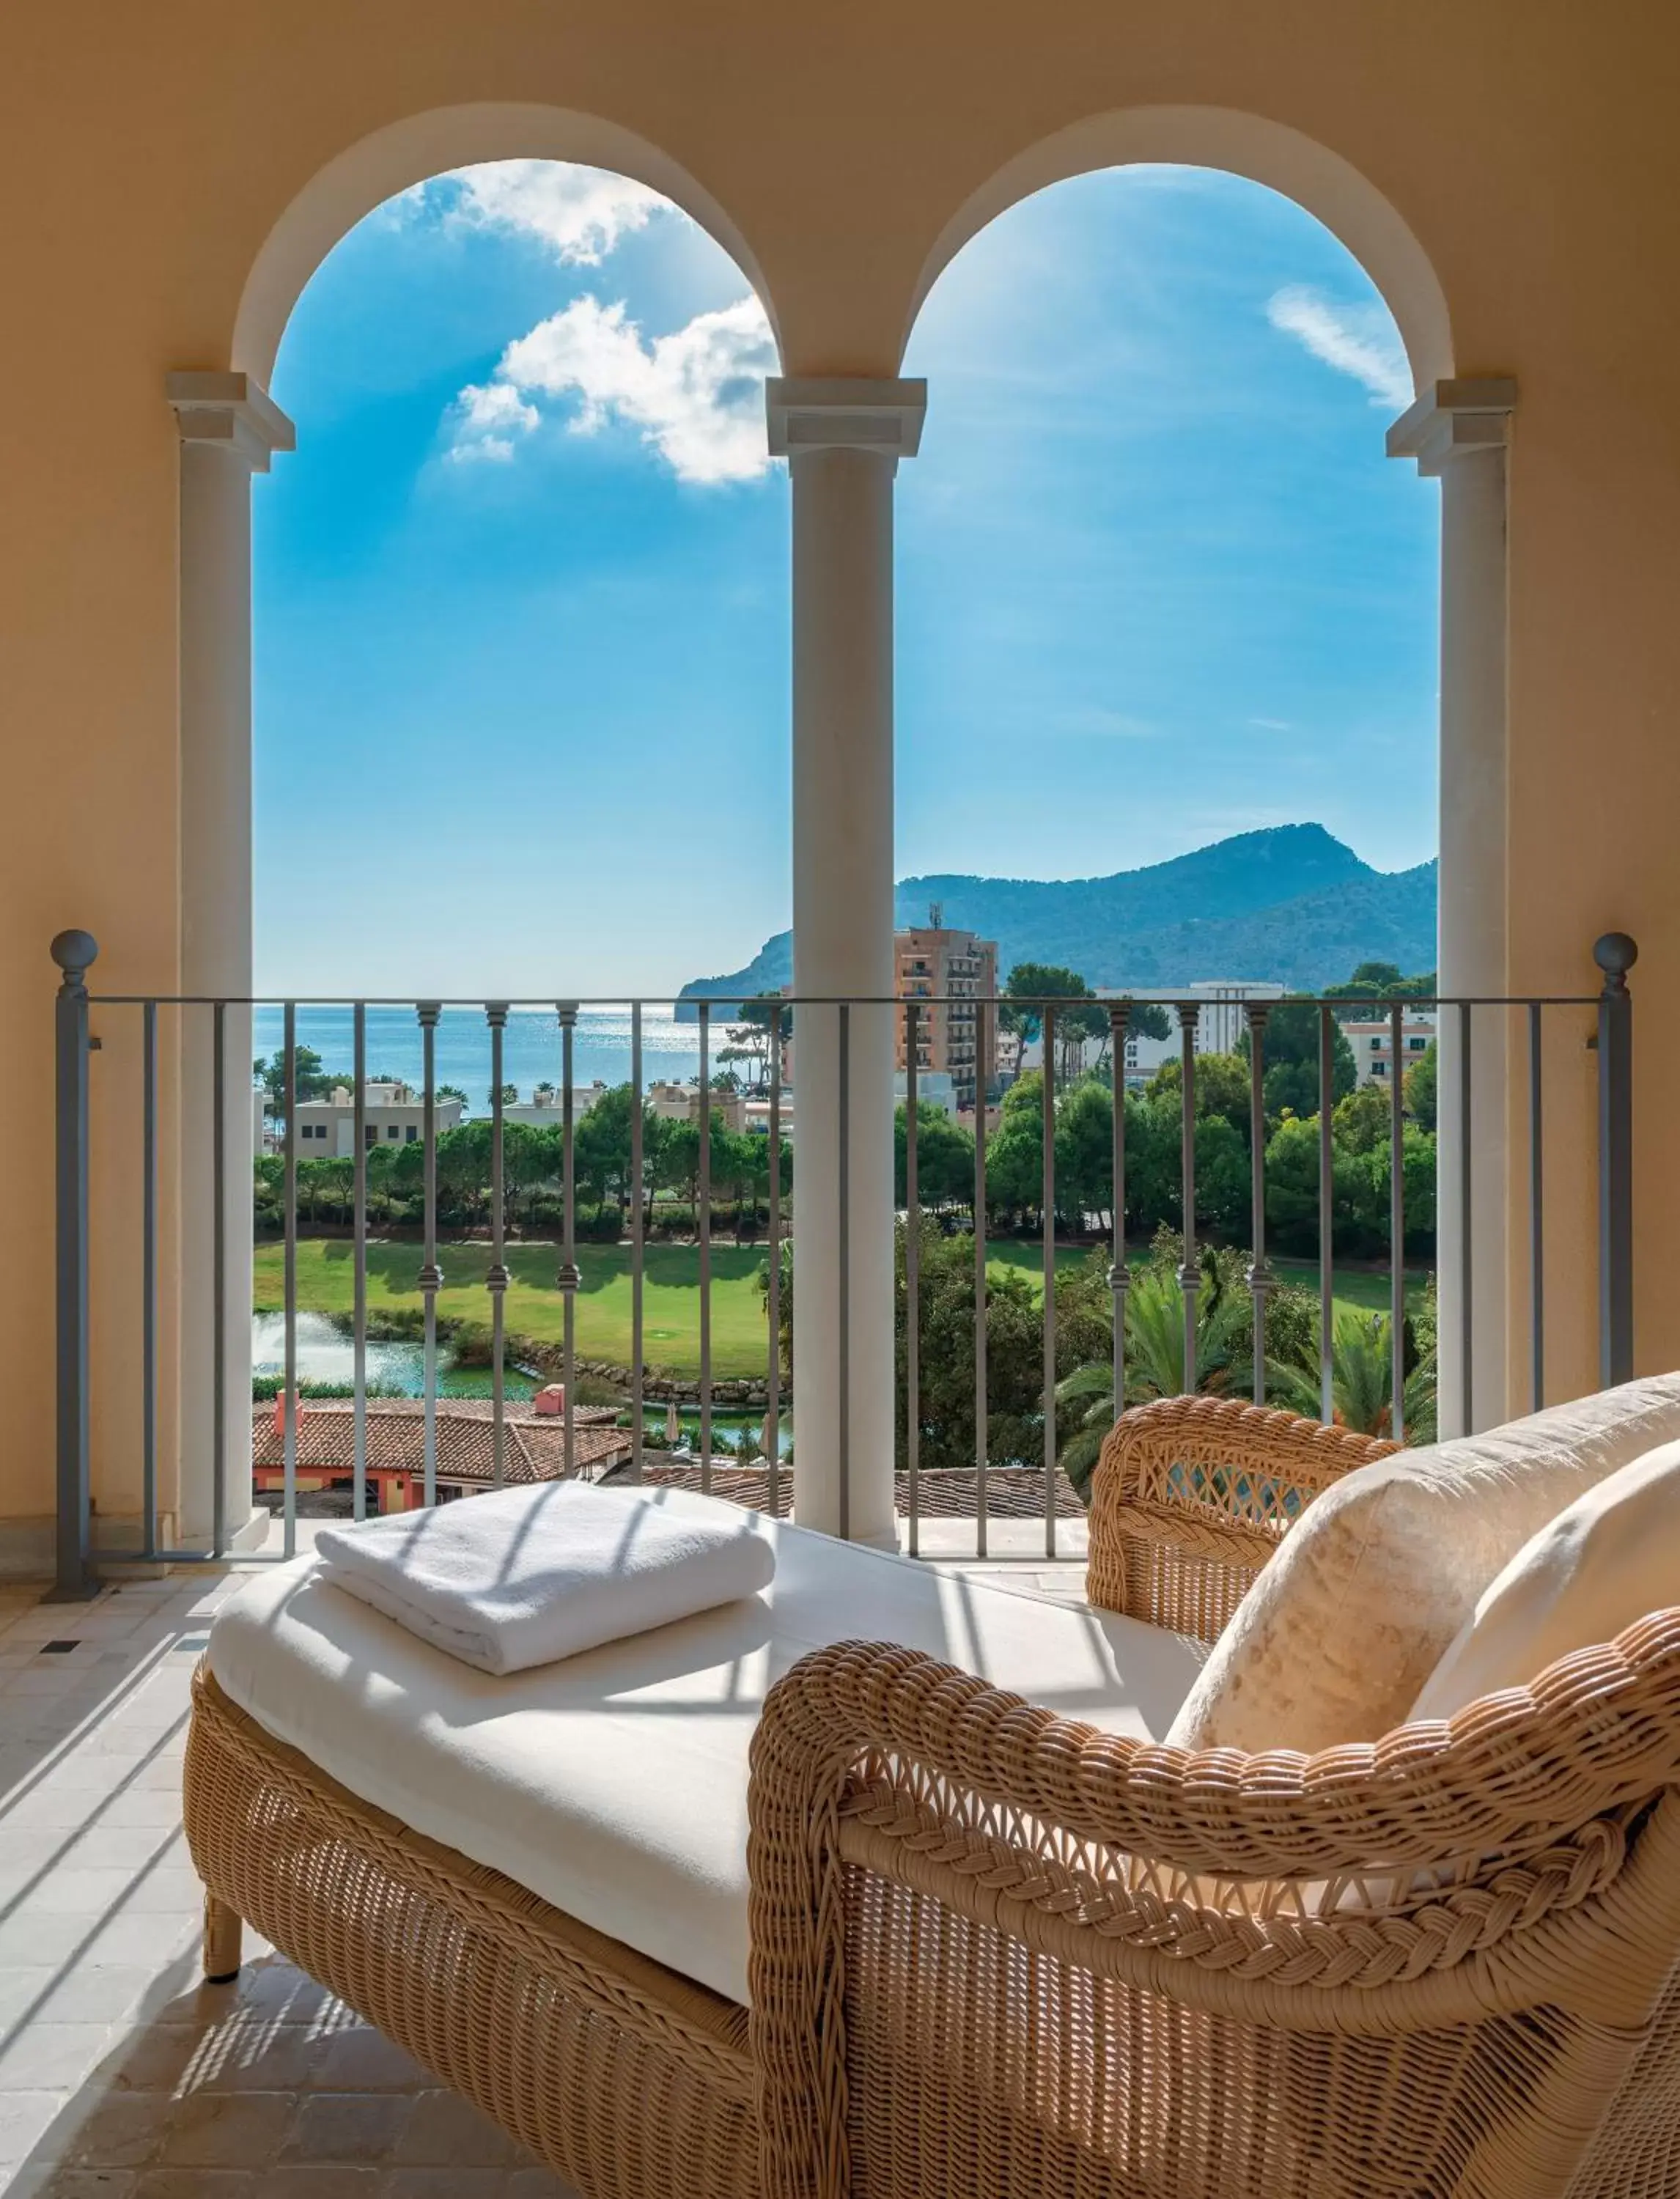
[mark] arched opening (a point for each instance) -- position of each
(1154, 567)
(490, 484)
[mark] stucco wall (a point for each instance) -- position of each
(1528, 156)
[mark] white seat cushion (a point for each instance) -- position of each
(1342, 1628)
(1603, 1564)
(614, 1785)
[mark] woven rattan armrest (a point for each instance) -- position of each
(1193, 1495)
(1540, 1826)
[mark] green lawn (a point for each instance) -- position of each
(671, 1302)
(1358, 1289)
(671, 1295)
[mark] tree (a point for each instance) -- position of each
(1421, 1088)
(451, 1092)
(510, 1096)
(763, 1025)
(1382, 981)
(311, 1080)
(944, 1158)
(1289, 1052)
(1361, 1379)
(1074, 1025)
(1221, 1087)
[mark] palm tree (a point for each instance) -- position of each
(1155, 1359)
(1362, 1381)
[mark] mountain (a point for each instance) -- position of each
(1292, 903)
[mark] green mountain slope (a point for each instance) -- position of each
(1292, 904)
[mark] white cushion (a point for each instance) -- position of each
(1604, 1563)
(1342, 1628)
(614, 1785)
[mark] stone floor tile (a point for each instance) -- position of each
(537, 2183)
(51, 2056)
(229, 2130)
(347, 2126)
(51, 2180)
(315, 2179)
(177, 2180)
(26, 2119)
(125, 2129)
(360, 2059)
(446, 2130)
(443, 2183)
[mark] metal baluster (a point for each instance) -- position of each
(496, 1276)
(913, 1264)
(772, 1418)
(1119, 1275)
(1047, 1197)
(148, 1275)
(1189, 1275)
(1397, 1224)
(218, 1398)
(358, 1343)
(637, 1254)
(74, 953)
(1326, 1220)
(1466, 1210)
(289, 1440)
(1615, 954)
(843, 1325)
(1261, 1275)
(1536, 1228)
(705, 1106)
(982, 1434)
(431, 1275)
(569, 1277)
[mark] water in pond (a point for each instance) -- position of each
(325, 1354)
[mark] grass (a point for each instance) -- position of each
(671, 1292)
(671, 1296)
(1363, 1289)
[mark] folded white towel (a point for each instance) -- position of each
(530, 1575)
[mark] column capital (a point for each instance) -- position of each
(232, 410)
(1454, 417)
(844, 412)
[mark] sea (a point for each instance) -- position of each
(530, 1046)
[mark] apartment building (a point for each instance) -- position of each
(950, 970)
(395, 1115)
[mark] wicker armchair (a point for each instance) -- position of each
(1193, 1495)
(996, 1952)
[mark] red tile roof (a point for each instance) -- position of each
(533, 1449)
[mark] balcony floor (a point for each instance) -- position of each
(121, 2075)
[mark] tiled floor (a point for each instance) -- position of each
(121, 2074)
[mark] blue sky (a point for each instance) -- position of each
(521, 675)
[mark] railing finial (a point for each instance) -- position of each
(75, 954)
(1615, 954)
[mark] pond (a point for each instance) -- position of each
(325, 1354)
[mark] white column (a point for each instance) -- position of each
(1459, 431)
(228, 429)
(843, 439)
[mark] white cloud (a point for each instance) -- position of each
(1361, 341)
(488, 416)
(697, 394)
(580, 213)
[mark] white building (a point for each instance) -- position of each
(936, 1087)
(1221, 1020)
(1373, 1044)
(396, 1114)
(545, 1112)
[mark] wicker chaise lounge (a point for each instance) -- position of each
(995, 1949)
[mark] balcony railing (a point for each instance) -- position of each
(208, 1049)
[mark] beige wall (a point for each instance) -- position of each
(1528, 155)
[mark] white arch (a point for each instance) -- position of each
(1298, 167)
(391, 160)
